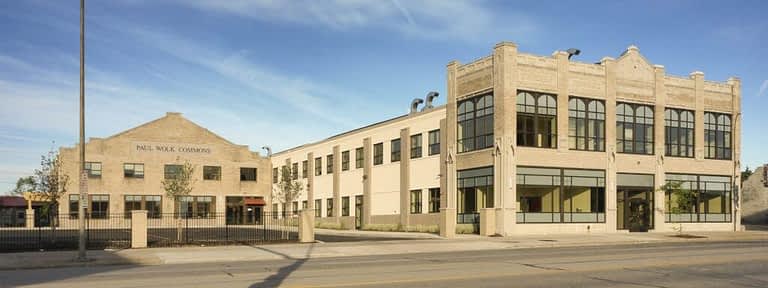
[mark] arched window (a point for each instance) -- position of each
(678, 133)
(634, 128)
(717, 135)
(586, 124)
(475, 123)
(536, 119)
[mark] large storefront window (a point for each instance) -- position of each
(586, 124)
(717, 136)
(244, 210)
(475, 190)
(195, 206)
(475, 123)
(678, 132)
(151, 203)
(698, 198)
(634, 128)
(536, 120)
(634, 202)
(552, 195)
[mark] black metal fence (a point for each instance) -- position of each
(55, 232)
(170, 230)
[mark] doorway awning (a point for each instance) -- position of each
(255, 201)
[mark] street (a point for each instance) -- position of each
(702, 264)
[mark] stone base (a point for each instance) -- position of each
(30, 218)
(448, 222)
(487, 221)
(307, 226)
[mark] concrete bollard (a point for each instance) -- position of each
(139, 229)
(487, 221)
(448, 222)
(307, 226)
(29, 221)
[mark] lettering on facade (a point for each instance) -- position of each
(170, 148)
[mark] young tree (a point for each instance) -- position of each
(178, 184)
(24, 184)
(49, 185)
(684, 199)
(288, 189)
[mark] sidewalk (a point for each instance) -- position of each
(422, 243)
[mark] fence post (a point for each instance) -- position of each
(307, 226)
(139, 229)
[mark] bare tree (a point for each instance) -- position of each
(50, 184)
(178, 184)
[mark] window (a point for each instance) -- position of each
(294, 207)
(434, 142)
(634, 128)
(151, 203)
(318, 208)
(395, 153)
(475, 123)
(416, 146)
(678, 132)
(378, 154)
(212, 173)
(345, 206)
(93, 169)
(550, 195)
(329, 210)
(133, 170)
(717, 136)
(318, 166)
(415, 201)
(304, 168)
(247, 174)
(196, 206)
(434, 200)
(275, 175)
(475, 190)
(536, 120)
(329, 164)
(74, 202)
(172, 171)
(586, 124)
(359, 158)
(295, 171)
(304, 205)
(345, 160)
(698, 198)
(99, 206)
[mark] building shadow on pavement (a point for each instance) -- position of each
(277, 279)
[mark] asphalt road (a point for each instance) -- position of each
(703, 264)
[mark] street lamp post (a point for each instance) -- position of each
(83, 175)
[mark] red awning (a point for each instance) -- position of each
(255, 201)
(14, 201)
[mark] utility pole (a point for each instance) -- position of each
(83, 174)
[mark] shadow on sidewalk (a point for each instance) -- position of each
(277, 279)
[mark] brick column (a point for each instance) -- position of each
(698, 78)
(660, 94)
(610, 143)
(505, 119)
(561, 58)
(139, 229)
(336, 183)
(736, 148)
(448, 154)
(405, 181)
(310, 182)
(367, 178)
(29, 219)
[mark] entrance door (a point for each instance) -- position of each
(358, 212)
(634, 209)
(252, 214)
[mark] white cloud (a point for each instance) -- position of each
(762, 89)
(429, 19)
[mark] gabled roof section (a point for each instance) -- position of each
(634, 67)
(172, 125)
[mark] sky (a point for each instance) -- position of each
(283, 73)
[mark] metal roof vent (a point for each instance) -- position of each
(415, 105)
(430, 97)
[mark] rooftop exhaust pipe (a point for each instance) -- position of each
(415, 105)
(430, 97)
(572, 51)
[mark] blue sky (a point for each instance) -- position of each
(282, 73)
